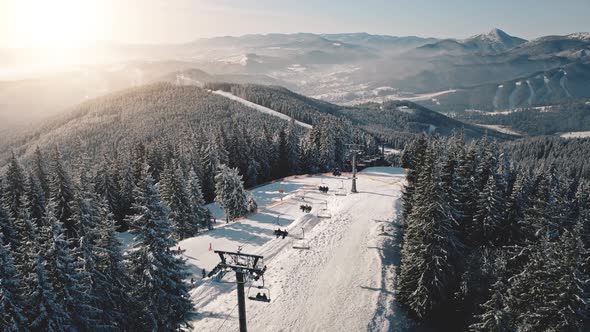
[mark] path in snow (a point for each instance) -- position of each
(563, 82)
(260, 108)
(531, 93)
(575, 134)
(496, 100)
(340, 284)
(503, 129)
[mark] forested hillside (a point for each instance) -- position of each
(490, 247)
(183, 120)
(569, 156)
(145, 161)
(548, 120)
(397, 118)
(394, 123)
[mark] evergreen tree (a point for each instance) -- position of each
(201, 215)
(111, 281)
(230, 193)
(489, 217)
(495, 316)
(177, 198)
(572, 296)
(62, 194)
(106, 185)
(24, 242)
(207, 178)
(12, 303)
(293, 152)
(46, 312)
(6, 225)
(14, 187)
(35, 200)
(412, 159)
(126, 185)
(463, 194)
(138, 160)
(252, 173)
(156, 273)
(427, 269)
(71, 283)
(283, 165)
(40, 171)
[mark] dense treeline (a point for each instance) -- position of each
(63, 267)
(490, 247)
(569, 156)
(299, 107)
(394, 123)
(188, 120)
(555, 119)
(145, 160)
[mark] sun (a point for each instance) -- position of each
(53, 24)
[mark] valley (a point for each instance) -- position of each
(165, 166)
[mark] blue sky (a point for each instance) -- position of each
(34, 22)
(437, 18)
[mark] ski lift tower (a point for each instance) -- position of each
(244, 265)
(354, 150)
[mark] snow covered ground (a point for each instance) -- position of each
(575, 134)
(500, 128)
(259, 107)
(340, 284)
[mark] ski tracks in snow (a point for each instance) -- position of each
(260, 108)
(343, 283)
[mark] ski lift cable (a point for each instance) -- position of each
(226, 318)
(228, 315)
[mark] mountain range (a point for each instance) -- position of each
(347, 68)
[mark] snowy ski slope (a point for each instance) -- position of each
(259, 107)
(340, 284)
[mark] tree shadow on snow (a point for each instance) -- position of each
(388, 309)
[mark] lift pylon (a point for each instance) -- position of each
(244, 265)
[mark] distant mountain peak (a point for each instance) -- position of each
(580, 36)
(494, 35)
(495, 40)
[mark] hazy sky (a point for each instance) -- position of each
(71, 22)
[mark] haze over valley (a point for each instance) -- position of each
(200, 165)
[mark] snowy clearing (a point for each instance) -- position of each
(575, 134)
(260, 107)
(388, 150)
(376, 96)
(503, 129)
(340, 284)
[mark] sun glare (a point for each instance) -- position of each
(54, 24)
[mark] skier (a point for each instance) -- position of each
(204, 274)
(192, 282)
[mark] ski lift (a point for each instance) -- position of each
(262, 293)
(324, 213)
(301, 243)
(341, 191)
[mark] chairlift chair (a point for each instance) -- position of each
(324, 213)
(262, 293)
(301, 243)
(340, 192)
